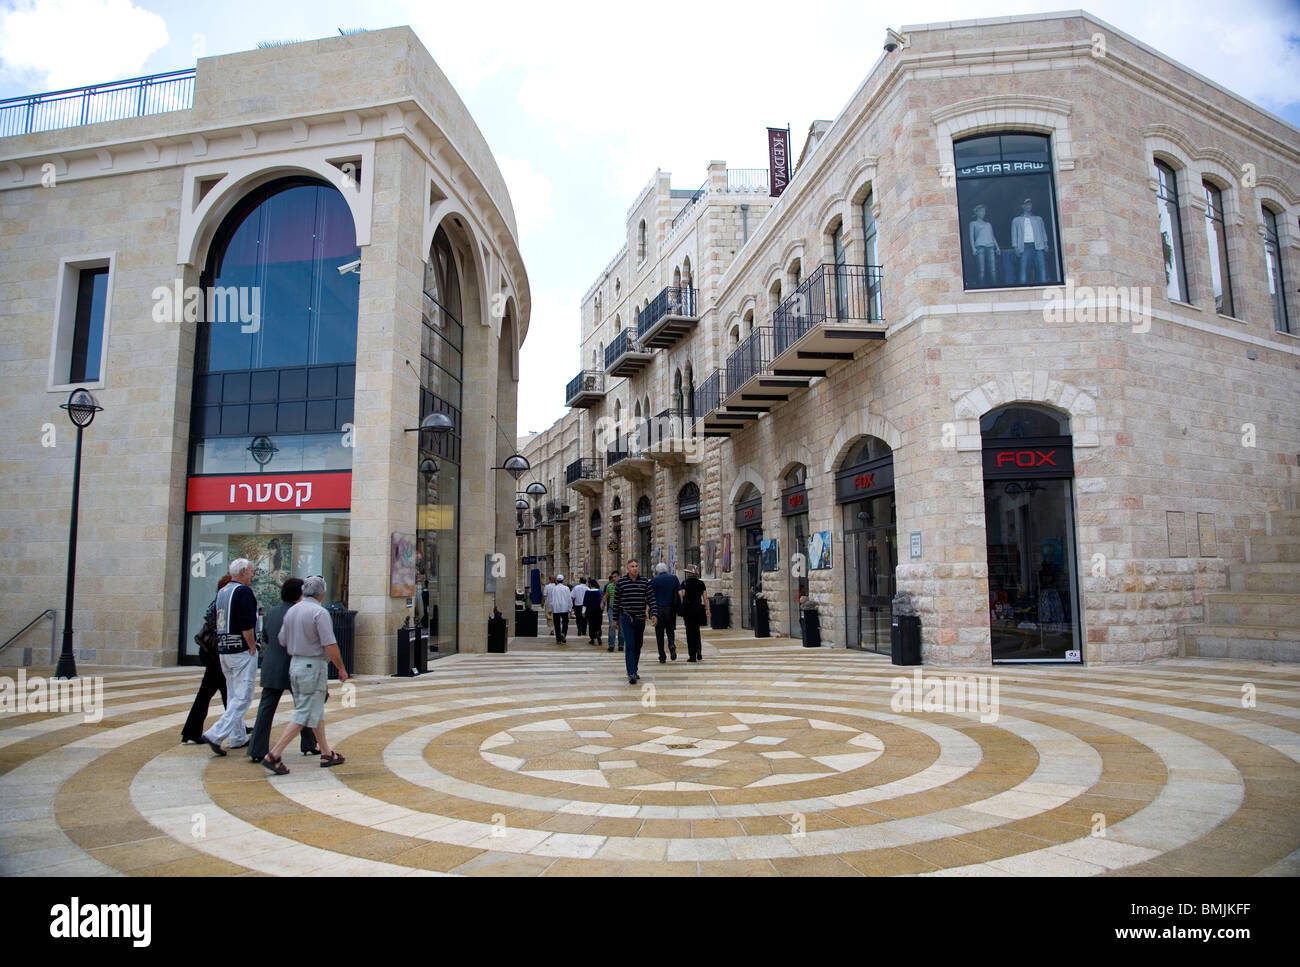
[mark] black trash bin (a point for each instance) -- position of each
(762, 623)
(720, 612)
(344, 623)
(496, 633)
(905, 639)
(812, 627)
(525, 623)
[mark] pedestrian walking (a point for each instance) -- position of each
(213, 679)
(593, 604)
(635, 600)
(275, 675)
(308, 636)
(666, 589)
(579, 595)
(611, 608)
(237, 648)
(695, 612)
(561, 605)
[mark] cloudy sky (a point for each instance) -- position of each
(581, 102)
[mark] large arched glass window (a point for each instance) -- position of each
(1007, 203)
(1171, 233)
(1217, 236)
(276, 258)
(1273, 264)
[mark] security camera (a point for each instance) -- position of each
(353, 266)
(893, 40)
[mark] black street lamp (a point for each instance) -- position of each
(81, 407)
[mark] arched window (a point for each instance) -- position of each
(686, 272)
(1171, 232)
(690, 389)
(871, 257)
(735, 335)
(618, 288)
(640, 241)
(1217, 235)
(749, 316)
(677, 278)
(797, 476)
(279, 253)
(866, 449)
(678, 403)
(1273, 264)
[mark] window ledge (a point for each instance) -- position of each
(69, 387)
(1240, 322)
(1289, 335)
(1185, 305)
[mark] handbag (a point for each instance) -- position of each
(206, 639)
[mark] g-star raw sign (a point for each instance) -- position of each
(285, 491)
(778, 160)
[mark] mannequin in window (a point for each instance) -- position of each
(1029, 240)
(985, 246)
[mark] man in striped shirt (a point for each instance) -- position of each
(635, 600)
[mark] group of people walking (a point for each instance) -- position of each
(297, 647)
(631, 600)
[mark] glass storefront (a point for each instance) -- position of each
(1029, 520)
(279, 545)
(749, 522)
(794, 508)
(688, 515)
(1007, 210)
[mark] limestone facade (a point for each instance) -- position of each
(370, 113)
(1184, 422)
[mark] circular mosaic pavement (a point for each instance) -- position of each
(763, 760)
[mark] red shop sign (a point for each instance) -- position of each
(267, 491)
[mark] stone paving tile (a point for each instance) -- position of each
(1186, 780)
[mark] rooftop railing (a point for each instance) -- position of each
(747, 179)
(690, 202)
(113, 101)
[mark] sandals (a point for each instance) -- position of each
(311, 751)
(333, 759)
(275, 764)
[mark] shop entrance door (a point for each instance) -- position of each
(870, 557)
(751, 577)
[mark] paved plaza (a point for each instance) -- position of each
(766, 759)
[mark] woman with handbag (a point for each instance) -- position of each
(214, 680)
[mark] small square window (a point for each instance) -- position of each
(82, 310)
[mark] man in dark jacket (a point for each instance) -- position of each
(275, 676)
(666, 587)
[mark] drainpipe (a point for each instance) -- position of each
(744, 223)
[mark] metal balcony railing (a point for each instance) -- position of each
(614, 456)
(525, 520)
(582, 469)
(114, 101)
(672, 301)
(752, 357)
(625, 342)
(709, 395)
(690, 203)
(831, 294)
(664, 426)
(747, 179)
(587, 381)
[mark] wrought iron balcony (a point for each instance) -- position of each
(625, 356)
(114, 101)
(586, 389)
(586, 476)
(614, 456)
(752, 387)
(668, 318)
(832, 313)
(525, 521)
(669, 438)
(690, 203)
(709, 409)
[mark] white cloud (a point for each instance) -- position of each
(548, 359)
(67, 43)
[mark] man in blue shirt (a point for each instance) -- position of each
(665, 587)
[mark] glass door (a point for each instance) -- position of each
(797, 535)
(751, 578)
(870, 557)
(1033, 584)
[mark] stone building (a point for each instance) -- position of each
(270, 271)
(1019, 339)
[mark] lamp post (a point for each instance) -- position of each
(262, 450)
(81, 407)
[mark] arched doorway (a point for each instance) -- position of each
(644, 525)
(596, 530)
(749, 523)
(794, 511)
(1030, 535)
(864, 489)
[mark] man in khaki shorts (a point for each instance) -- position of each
(308, 636)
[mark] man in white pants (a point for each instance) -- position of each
(237, 648)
